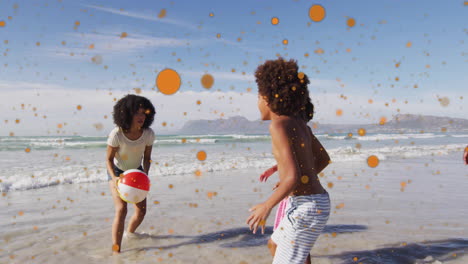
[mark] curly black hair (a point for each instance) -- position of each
(285, 88)
(128, 106)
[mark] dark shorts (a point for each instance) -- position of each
(118, 171)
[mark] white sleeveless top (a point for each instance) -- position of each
(130, 152)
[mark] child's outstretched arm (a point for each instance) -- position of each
(288, 170)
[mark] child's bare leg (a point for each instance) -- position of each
(119, 218)
(137, 218)
(271, 247)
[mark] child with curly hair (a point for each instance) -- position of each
(130, 142)
(284, 99)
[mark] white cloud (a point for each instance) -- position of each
(59, 104)
(8, 86)
(112, 43)
(222, 75)
(143, 16)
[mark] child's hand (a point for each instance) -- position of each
(267, 174)
(260, 213)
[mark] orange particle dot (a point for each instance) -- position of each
(300, 75)
(97, 59)
(304, 179)
(115, 247)
(319, 51)
(330, 185)
(370, 101)
(409, 44)
(201, 155)
(207, 81)
(77, 23)
(339, 112)
(2, 23)
(168, 81)
(351, 22)
(78, 107)
(27, 150)
(372, 161)
(171, 186)
(171, 231)
(198, 173)
(355, 259)
(91, 46)
(35, 228)
(17, 121)
(123, 35)
(444, 101)
(334, 234)
(198, 102)
(38, 43)
(218, 35)
(361, 132)
(211, 15)
(162, 13)
(274, 21)
(210, 195)
(382, 121)
(317, 13)
(156, 202)
(285, 42)
(403, 184)
(20, 213)
(341, 205)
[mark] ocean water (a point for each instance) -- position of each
(38, 162)
(409, 209)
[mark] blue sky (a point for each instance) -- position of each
(358, 62)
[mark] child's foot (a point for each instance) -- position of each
(134, 235)
(115, 250)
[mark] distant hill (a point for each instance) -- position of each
(400, 123)
(233, 125)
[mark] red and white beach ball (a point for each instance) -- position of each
(133, 186)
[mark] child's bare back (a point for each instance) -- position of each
(309, 154)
